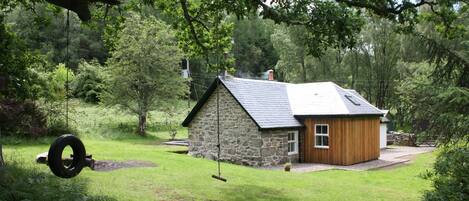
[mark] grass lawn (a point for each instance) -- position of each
(181, 177)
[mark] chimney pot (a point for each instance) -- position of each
(271, 74)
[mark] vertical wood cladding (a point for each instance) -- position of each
(351, 140)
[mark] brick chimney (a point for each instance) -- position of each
(270, 75)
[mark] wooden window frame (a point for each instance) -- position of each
(295, 134)
(321, 134)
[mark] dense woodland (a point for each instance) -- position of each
(410, 59)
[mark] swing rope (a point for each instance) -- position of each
(219, 177)
(67, 29)
(218, 124)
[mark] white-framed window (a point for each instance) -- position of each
(292, 142)
(321, 136)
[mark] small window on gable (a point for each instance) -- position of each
(321, 136)
(292, 142)
(352, 99)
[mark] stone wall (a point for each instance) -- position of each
(241, 141)
(275, 148)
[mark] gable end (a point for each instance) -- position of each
(204, 99)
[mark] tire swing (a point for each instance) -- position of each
(66, 167)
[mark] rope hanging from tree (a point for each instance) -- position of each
(219, 177)
(67, 29)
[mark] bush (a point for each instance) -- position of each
(58, 82)
(88, 83)
(56, 123)
(22, 118)
(27, 119)
(450, 175)
(59, 128)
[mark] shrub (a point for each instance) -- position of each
(28, 119)
(287, 167)
(56, 124)
(22, 118)
(88, 83)
(58, 82)
(170, 112)
(450, 175)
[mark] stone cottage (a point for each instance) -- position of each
(265, 123)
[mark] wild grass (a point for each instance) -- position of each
(100, 122)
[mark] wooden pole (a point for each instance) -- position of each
(2, 163)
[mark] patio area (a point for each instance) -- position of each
(391, 156)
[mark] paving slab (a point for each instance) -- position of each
(177, 143)
(390, 156)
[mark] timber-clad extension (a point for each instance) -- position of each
(351, 140)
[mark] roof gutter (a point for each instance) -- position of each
(281, 128)
(338, 116)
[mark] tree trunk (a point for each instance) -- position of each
(303, 69)
(142, 123)
(2, 163)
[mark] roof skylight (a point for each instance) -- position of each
(352, 99)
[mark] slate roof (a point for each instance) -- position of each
(274, 104)
(327, 99)
(266, 101)
(352, 91)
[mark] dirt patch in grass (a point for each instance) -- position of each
(108, 165)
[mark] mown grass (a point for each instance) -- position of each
(181, 177)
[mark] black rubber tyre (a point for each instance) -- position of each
(55, 161)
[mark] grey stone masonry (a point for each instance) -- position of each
(241, 141)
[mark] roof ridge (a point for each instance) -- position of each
(278, 82)
(254, 80)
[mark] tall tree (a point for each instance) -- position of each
(47, 35)
(253, 50)
(380, 51)
(18, 79)
(144, 68)
(291, 64)
(296, 65)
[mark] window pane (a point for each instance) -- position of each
(325, 141)
(322, 129)
(291, 147)
(318, 140)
